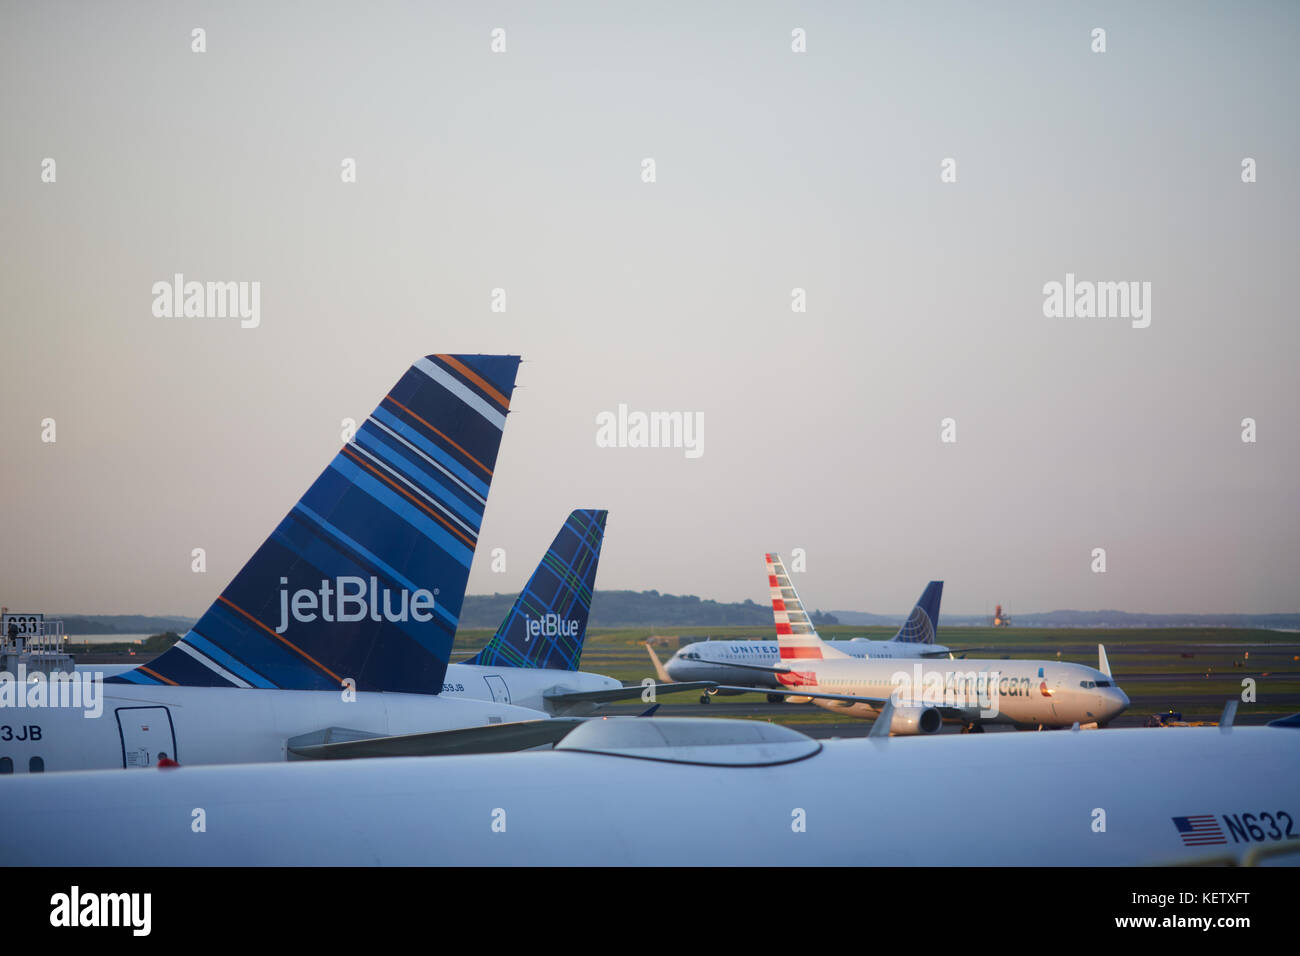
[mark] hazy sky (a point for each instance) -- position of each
(775, 170)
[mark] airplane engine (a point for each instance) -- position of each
(915, 719)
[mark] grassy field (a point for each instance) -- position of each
(1192, 670)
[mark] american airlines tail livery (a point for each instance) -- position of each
(714, 660)
(340, 624)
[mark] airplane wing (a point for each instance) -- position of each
(560, 702)
(488, 739)
(946, 711)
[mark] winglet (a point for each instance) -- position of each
(883, 720)
(659, 667)
(1103, 663)
(1228, 716)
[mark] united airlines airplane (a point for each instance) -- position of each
(338, 627)
(712, 660)
(746, 792)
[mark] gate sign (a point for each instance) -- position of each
(28, 625)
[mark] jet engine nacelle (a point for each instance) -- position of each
(915, 719)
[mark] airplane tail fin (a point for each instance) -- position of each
(363, 580)
(922, 624)
(795, 634)
(548, 622)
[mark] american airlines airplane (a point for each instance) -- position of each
(712, 660)
(341, 623)
(751, 793)
(1026, 694)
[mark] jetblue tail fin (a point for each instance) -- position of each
(548, 622)
(922, 624)
(364, 578)
(795, 635)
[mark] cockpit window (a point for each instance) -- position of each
(1103, 683)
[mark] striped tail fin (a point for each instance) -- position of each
(363, 580)
(795, 635)
(548, 622)
(922, 624)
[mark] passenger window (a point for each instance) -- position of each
(36, 765)
(6, 765)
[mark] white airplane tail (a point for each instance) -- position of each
(795, 634)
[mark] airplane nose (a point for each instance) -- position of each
(1119, 701)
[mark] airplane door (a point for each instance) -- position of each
(146, 732)
(497, 687)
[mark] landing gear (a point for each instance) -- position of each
(776, 698)
(704, 698)
(973, 728)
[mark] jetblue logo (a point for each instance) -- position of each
(348, 599)
(550, 625)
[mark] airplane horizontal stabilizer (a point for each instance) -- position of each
(487, 739)
(558, 703)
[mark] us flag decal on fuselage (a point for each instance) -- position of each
(1201, 830)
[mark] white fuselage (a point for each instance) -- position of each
(521, 686)
(1025, 693)
(1034, 801)
(709, 660)
(205, 725)
(218, 725)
